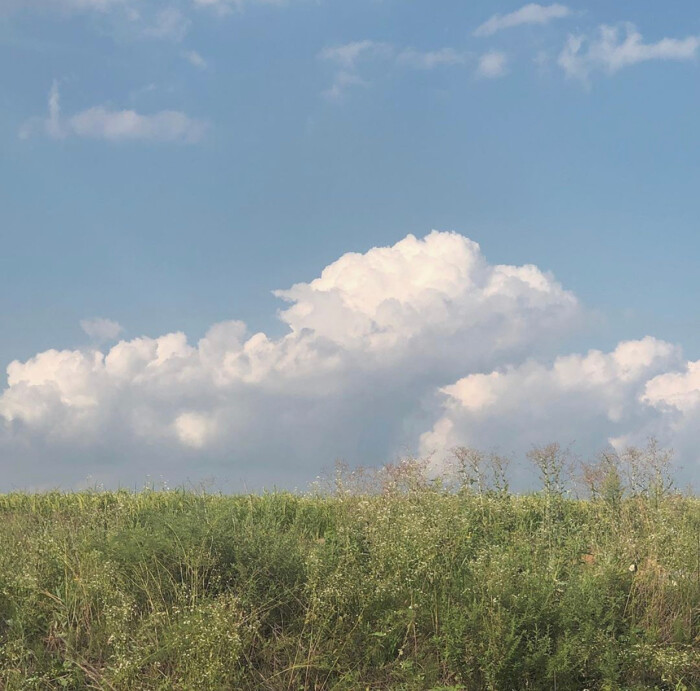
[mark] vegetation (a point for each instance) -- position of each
(389, 581)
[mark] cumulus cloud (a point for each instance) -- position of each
(675, 390)
(529, 14)
(616, 47)
(194, 429)
(385, 298)
(100, 122)
(641, 388)
(367, 341)
(492, 65)
(420, 345)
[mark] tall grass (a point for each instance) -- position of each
(410, 585)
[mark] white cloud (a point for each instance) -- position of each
(195, 59)
(675, 390)
(194, 429)
(616, 47)
(492, 65)
(101, 329)
(100, 122)
(641, 388)
(384, 298)
(367, 342)
(529, 14)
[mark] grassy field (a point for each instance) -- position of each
(413, 585)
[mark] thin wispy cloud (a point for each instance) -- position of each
(617, 47)
(349, 57)
(430, 59)
(101, 329)
(124, 125)
(492, 65)
(227, 6)
(221, 6)
(131, 19)
(76, 5)
(108, 124)
(342, 81)
(53, 121)
(195, 59)
(346, 57)
(529, 14)
(169, 23)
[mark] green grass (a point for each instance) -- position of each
(409, 588)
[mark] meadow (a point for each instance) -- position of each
(388, 579)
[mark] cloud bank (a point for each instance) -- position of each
(419, 346)
(641, 388)
(366, 343)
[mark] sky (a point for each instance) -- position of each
(241, 239)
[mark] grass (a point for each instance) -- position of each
(416, 586)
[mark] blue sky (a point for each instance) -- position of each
(166, 165)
